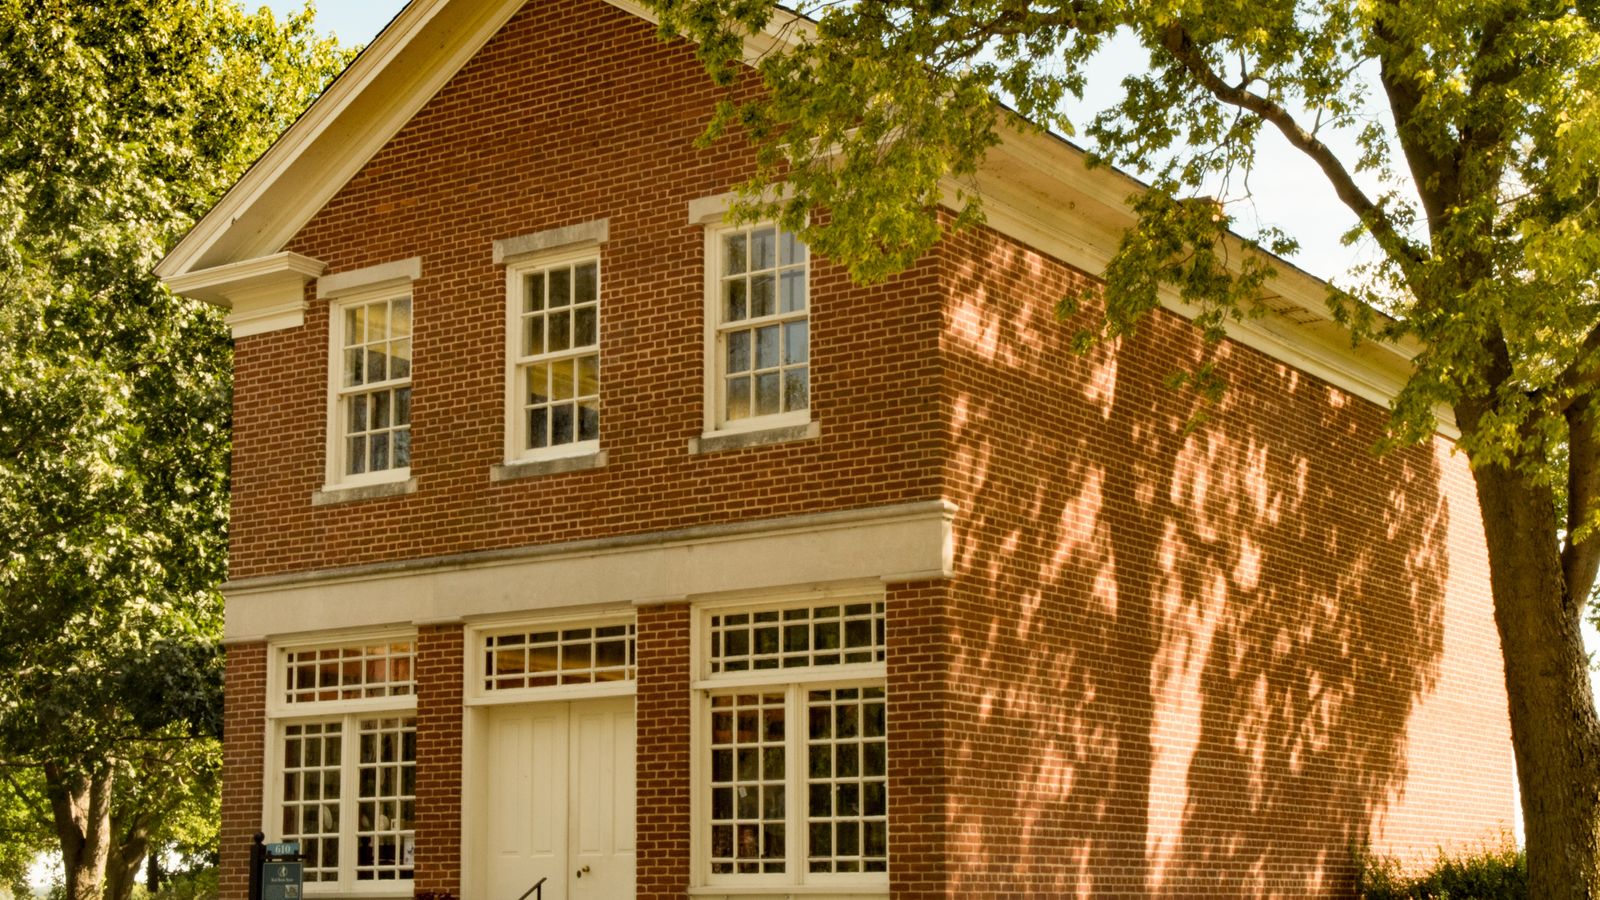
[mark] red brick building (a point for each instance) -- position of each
(581, 536)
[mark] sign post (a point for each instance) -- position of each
(276, 872)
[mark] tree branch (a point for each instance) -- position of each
(1580, 558)
(1178, 42)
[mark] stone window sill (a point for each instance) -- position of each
(336, 495)
(739, 440)
(536, 467)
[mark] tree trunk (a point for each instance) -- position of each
(126, 860)
(80, 807)
(1554, 730)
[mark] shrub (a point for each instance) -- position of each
(1493, 871)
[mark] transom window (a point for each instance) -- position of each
(550, 657)
(795, 725)
(556, 357)
(373, 393)
(762, 341)
(349, 672)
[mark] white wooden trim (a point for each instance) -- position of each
(846, 547)
(381, 277)
(514, 249)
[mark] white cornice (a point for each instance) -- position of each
(425, 45)
(263, 294)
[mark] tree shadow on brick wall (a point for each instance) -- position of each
(1186, 659)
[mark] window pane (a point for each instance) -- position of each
(538, 427)
(560, 292)
(377, 322)
(377, 368)
(402, 448)
(733, 254)
(739, 398)
(559, 334)
(767, 347)
(358, 412)
(538, 383)
(561, 424)
(533, 293)
(763, 249)
(796, 394)
(400, 317)
(402, 406)
(589, 376)
(793, 291)
(847, 789)
(400, 359)
(353, 368)
(379, 445)
(356, 454)
(588, 420)
(733, 305)
(586, 327)
(355, 319)
(767, 394)
(738, 352)
(762, 299)
(793, 249)
(533, 336)
(795, 345)
(387, 773)
(586, 287)
(380, 409)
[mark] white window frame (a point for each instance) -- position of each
(476, 694)
(516, 450)
(715, 355)
(281, 714)
(794, 683)
(389, 281)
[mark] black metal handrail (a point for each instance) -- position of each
(539, 888)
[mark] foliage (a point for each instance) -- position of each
(1492, 872)
(1472, 129)
(122, 122)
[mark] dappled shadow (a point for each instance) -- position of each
(1182, 663)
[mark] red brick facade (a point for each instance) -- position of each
(1166, 662)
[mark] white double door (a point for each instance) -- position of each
(559, 793)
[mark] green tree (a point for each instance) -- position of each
(1477, 120)
(120, 123)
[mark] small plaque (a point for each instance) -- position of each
(281, 881)
(279, 851)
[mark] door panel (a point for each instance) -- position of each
(527, 800)
(602, 800)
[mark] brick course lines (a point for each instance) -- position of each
(1195, 664)
(661, 709)
(440, 657)
(1170, 663)
(534, 134)
(243, 756)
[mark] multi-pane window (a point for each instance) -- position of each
(553, 656)
(796, 785)
(762, 341)
(556, 358)
(345, 765)
(349, 672)
(372, 414)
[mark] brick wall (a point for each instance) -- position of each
(1171, 663)
(661, 709)
(244, 724)
(574, 112)
(1196, 663)
(440, 657)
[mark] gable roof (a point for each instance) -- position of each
(1036, 189)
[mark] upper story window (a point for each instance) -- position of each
(554, 397)
(759, 331)
(369, 373)
(373, 392)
